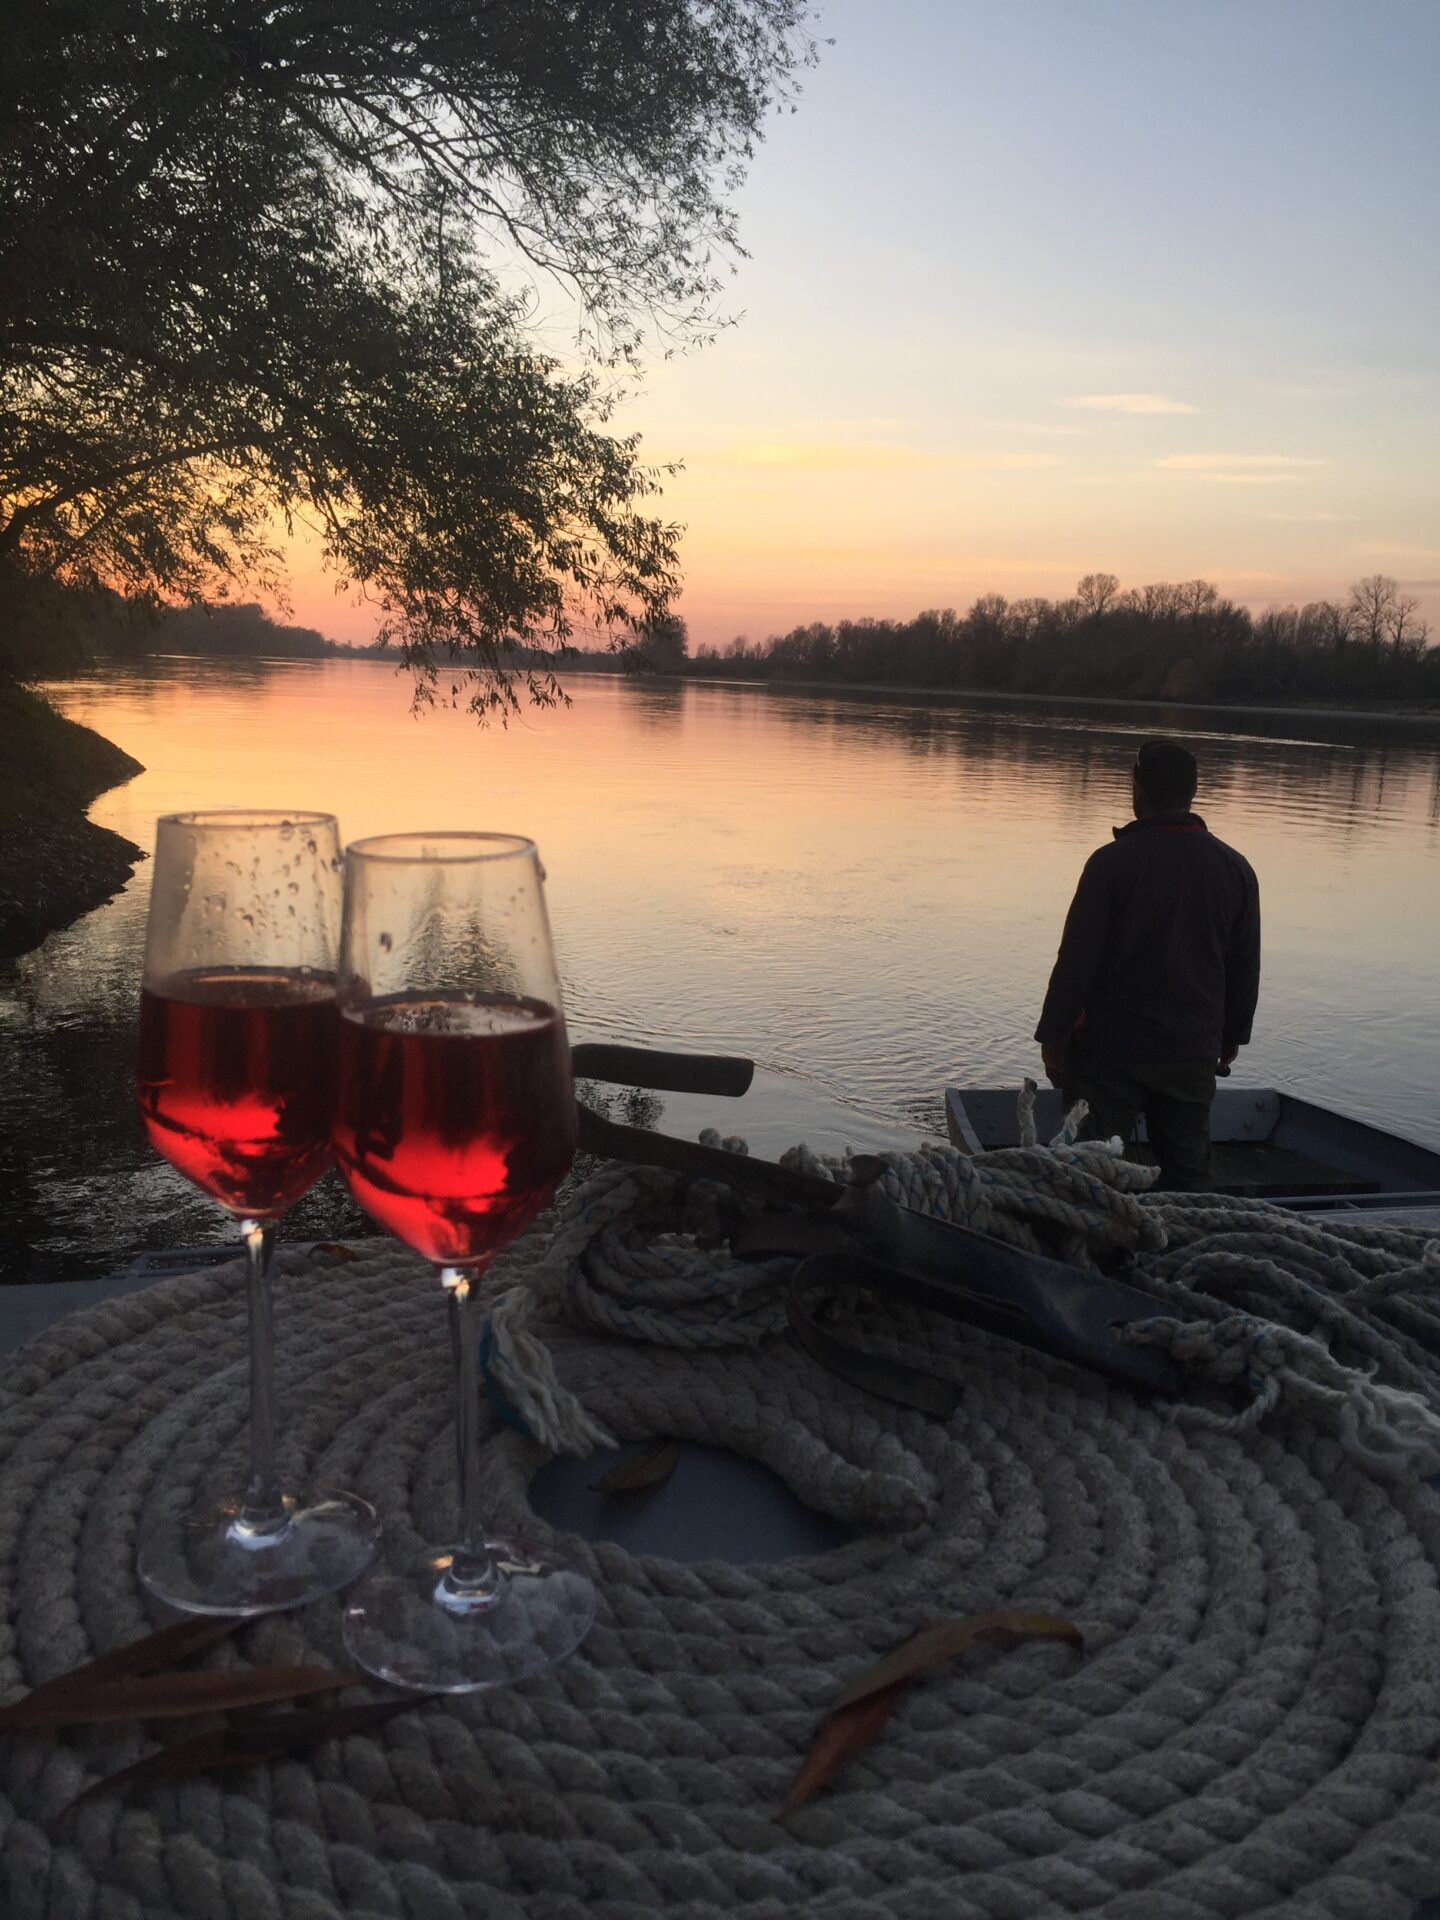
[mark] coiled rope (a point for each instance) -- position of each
(1250, 1735)
(1330, 1322)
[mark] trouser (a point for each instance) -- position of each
(1174, 1097)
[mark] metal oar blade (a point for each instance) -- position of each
(1066, 1311)
(728, 1075)
(638, 1145)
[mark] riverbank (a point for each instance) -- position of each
(1395, 713)
(55, 863)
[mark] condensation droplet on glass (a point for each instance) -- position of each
(294, 887)
(385, 943)
(310, 846)
(287, 827)
(247, 919)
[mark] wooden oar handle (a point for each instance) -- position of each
(717, 1073)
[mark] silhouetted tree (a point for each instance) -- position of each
(263, 261)
(1095, 593)
(1172, 641)
(662, 646)
(1381, 614)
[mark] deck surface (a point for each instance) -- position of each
(1256, 1168)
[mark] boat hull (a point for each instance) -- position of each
(1267, 1143)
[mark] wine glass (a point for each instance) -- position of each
(236, 1086)
(455, 1124)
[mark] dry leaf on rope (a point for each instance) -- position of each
(277, 1736)
(149, 1655)
(651, 1467)
(844, 1732)
(862, 1708)
(170, 1696)
(937, 1646)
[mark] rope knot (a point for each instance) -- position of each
(1392, 1433)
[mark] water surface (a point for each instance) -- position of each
(864, 895)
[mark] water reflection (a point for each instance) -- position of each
(865, 895)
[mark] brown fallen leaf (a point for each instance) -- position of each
(843, 1733)
(937, 1646)
(276, 1736)
(862, 1708)
(335, 1250)
(149, 1655)
(170, 1696)
(651, 1467)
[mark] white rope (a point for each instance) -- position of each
(1393, 1434)
(621, 1262)
(1249, 1732)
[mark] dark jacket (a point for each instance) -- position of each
(1160, 957)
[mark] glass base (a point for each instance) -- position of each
(415, 1629)
(210, 1561)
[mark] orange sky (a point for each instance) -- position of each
(993, 334)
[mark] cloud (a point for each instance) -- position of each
(1287, 391)
(1214, 462)
(1396, 550)
(1049, 431)
(1129, 403)
(857, 455)
(1250, 479)
(1317, 519)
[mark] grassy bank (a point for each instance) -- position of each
(55, 864)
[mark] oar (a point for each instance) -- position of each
(715, 1073)
(1066, 1311)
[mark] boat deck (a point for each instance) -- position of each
(1266, 1145)
(1262, 1170)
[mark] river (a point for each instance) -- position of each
(864, 894)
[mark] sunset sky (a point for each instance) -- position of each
(1037, 288)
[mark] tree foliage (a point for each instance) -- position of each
(1167, 640)
(664, 646)
(266, 263)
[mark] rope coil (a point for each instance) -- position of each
(622, 1262)
(1250, 1733)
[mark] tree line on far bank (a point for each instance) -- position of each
(1181, 641)
(67, 630)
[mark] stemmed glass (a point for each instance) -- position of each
(455, 1124)
(236, 1085)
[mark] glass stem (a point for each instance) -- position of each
(473, 1572)
(263, 1510)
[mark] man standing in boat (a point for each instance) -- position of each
(1158, 973)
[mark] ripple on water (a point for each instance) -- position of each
(864, 896)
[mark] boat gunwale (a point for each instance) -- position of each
(1402, 1167)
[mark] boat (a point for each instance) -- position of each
(1267, 1144)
